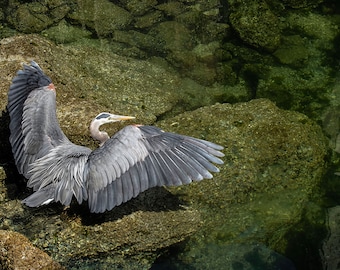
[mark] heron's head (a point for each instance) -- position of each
(101, 119)
(104, 118)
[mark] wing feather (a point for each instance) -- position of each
(140, 157)
(43, 154)
(133, 160)
(183, 167)
(154, 174)
(32, 110)
(127, 187)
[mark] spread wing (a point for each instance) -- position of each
(42, 152)
(140, 157)
(34, 126)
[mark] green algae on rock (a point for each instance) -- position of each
(101, 16)
(256, 24)
(274, 162)
(36, 16)
(90, 80)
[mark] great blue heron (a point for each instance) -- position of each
(136, 158)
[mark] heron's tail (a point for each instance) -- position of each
(40, 197)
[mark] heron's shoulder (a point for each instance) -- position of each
(69, 149)
(140, 131)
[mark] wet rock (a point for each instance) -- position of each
(313, 25)
(66, 33)
(137, 39)
(279, 82)
(330, 247)
(2, 15)
(206, 52)
(301, 3)
(139, 7)
(214, 32)
(148, 20)
(36, 16)
(3, 189)
(234, 256)
(274, 161)
(102, 16)
(256, 24)
(202, 73)
(16, 252)
(173, 8)
(191, 18)
(292, 51)
(89, 81)
(174, 35)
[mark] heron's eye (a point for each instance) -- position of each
(102, 115)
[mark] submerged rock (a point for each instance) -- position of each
(301, 3)
(330, 247)
(103, 16)
(36, 16)
(274, 162)
(256, 24)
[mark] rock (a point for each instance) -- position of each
(86, 80)
(313, 25)
(102, 16)
(66, 33)
(149, 19)
(234, 256)
(256, 24)
(292, 51)
(173, 8)
(214, 32)
(274, 161)
(36, 16)
(301, 3)
(295, 89)
(138, 39)
(202, 73)
(16, 252)
(131, 233)
(89, 81)
(330, 248)
(139, 7)
(206, 52)
(174, 35)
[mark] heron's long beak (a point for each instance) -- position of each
(116, 117)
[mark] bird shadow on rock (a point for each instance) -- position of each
(157, 199)
(14, 182)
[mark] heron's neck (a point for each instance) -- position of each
(96, 134)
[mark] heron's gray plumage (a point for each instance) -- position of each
(32, 109)
(135, 159)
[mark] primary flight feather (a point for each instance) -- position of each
(134, 159)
